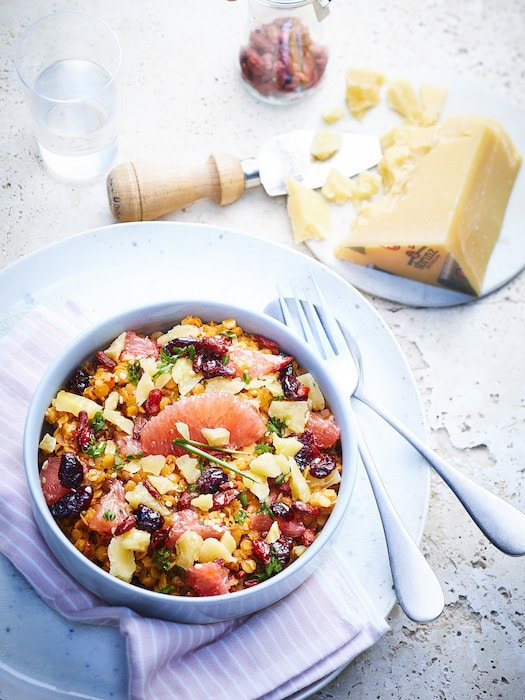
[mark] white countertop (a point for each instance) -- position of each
(182, 98)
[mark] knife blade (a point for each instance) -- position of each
(140, 191)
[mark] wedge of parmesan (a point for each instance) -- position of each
(440, 221)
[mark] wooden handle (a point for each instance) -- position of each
(142, 192)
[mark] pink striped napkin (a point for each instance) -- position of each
(273, 654)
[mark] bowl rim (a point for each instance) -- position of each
(104, 331)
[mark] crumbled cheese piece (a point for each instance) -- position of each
(293, 413)
(74, 403)
(152, 464)
(214, 549)
(189, 468)
(309, 212)
(273, 533)
(331, 115)
(117, 346)
(325, 144)
(421, 110)
(363, 90)
(203, 502)
(315, 395)
(216, 437)
(266, 464)
(188, 548)
(48, 443)
(288, 446)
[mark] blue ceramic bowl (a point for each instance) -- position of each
(149, 603)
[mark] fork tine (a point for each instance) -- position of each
(294, 317)
(312, 319)
(331, 326)
(289, 320)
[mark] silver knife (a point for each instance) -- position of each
(143, 191)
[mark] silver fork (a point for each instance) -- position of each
(501, 523)
(417, 588)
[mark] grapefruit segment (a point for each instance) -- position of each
(325, 430)
(208, 410)
(138, 346)
(51, 486)
(111, 510)
(255, 363)
(209, 578)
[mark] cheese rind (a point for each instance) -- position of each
(440, 222)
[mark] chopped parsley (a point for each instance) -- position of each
(273, 567)
(162, 558)
(98, 422)
(260, 449)
(265, 508)
(94, 448)
(109, 515)
(276, 425)
(135, 372)
(240, 516)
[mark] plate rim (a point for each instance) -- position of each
(23, 265)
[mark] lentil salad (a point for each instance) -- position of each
(151, 487)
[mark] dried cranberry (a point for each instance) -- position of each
(307, 537)
(127, 524)
(70, 471)
(282, 511)
(211, 357)
(322, 466)
(152, 403)
(305, 508)
(293, 389)
(216, 345)
(211, 479)
(279, 487)
(212, 367)
(224, 498)
(151, 489)
(309, 451)
(182, 344)
(282, 549)
(184, 501)
(83, 430)
(72, 503)
(250, 582)
(266, 343)
(147, 518)
(106, 361)
(261, 550)
(79, 382)
(158, 539)
(140, 422)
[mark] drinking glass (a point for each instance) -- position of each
(68, 63)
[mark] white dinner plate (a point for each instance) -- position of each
(118, 267)
(464, 96)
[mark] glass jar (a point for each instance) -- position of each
(284, 57)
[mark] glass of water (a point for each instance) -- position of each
(68, 63)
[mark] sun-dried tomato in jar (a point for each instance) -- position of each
(284, 57)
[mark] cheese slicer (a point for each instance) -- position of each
(143, 191)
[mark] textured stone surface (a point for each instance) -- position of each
(181, 98)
